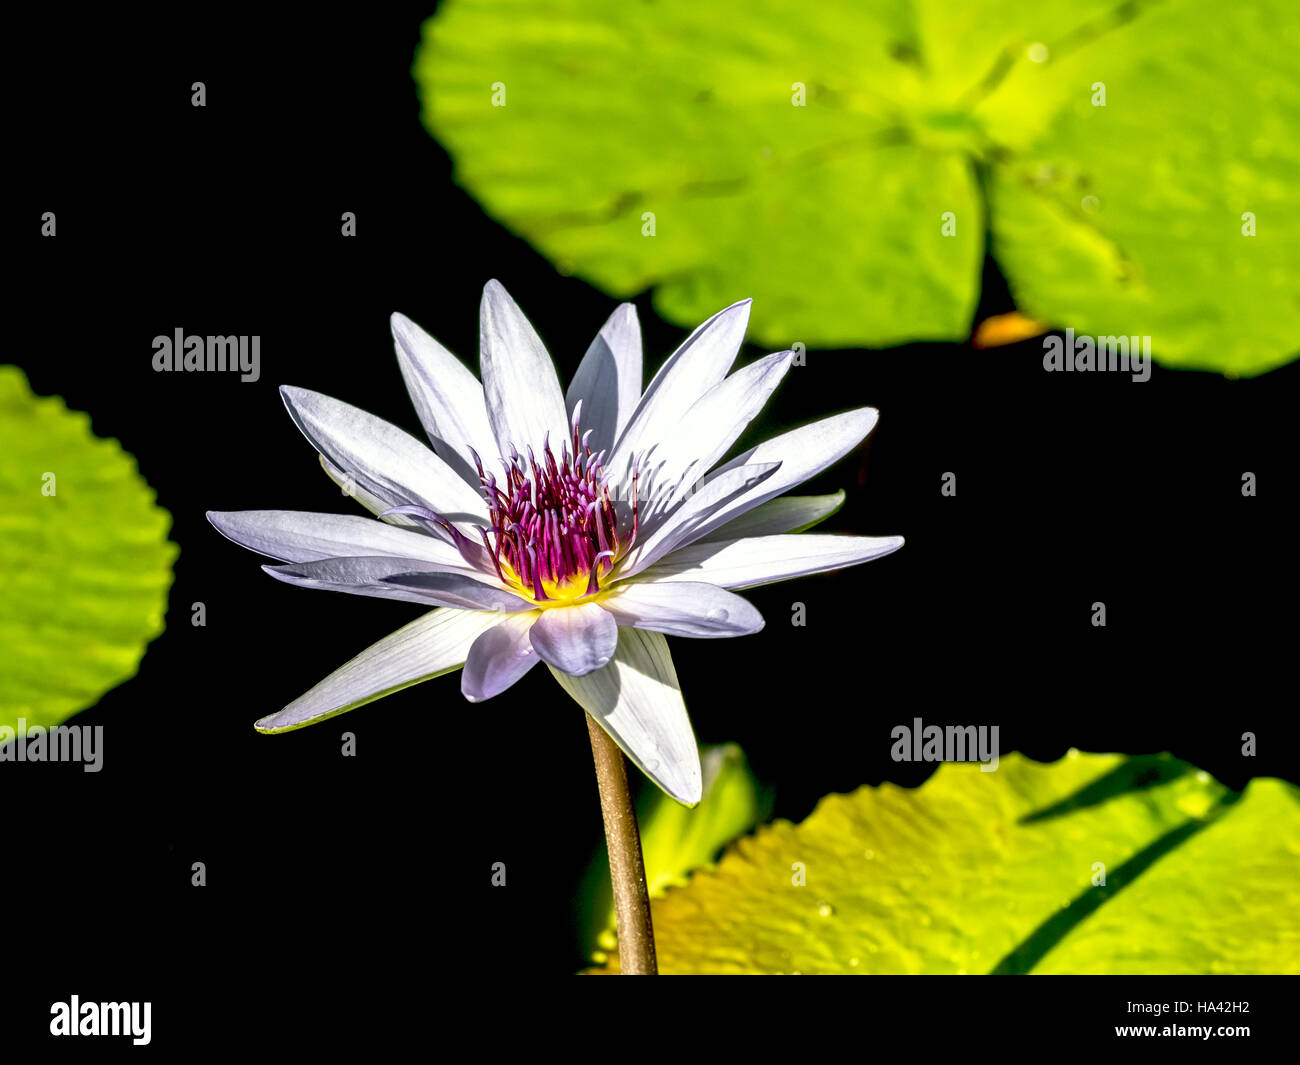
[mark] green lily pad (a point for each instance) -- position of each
(1144, 201)
(572, 121)
(85, 555)
(1001, 872)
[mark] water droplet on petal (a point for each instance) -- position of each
(826, 909)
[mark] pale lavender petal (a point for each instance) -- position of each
(679, 460)
(524, 401)
(682, 608)
(701, 361)
(575, 639)
(428, 647)
(353, 490)
(766, 559)
(636, 699)
(386, 462)
(802, 452)
(697, 510)
(498, 658)
(787, 514)
(408, 579)
(608, 381)
(296, 536)
(472, 552)
(447, 397)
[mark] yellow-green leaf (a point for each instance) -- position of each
(840, 162)
(978, 872)
(85, 558)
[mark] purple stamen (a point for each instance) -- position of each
(538, 593)
(496, 558)
(553, 519)
(477, 461)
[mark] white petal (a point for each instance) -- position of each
(608, 381)
(428, 647)
(802, 452)
(788, 514)
(575, 639)
(765, 559)
(637, 700)
(371, 502)
(296, 536)
(675, 466)
(499, 658)
(682, 608)
(679, 526)
(447, 397)
(524, 401)
(386, 462)
(689, 372)
(407, 579)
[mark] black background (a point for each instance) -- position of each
(347, 873)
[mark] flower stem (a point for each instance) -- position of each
(636, 939)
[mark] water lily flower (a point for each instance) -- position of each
(576, 529)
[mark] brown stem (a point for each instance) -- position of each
(636, 939)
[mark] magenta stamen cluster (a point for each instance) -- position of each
(553, 519)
